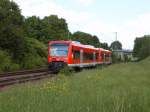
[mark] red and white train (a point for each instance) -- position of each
(75, 55)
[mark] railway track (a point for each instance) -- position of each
(11, 78)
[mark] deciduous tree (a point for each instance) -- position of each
(116, 45)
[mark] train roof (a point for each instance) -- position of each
(83, 45)
(76, 43)
(59, 41)
(104, 50)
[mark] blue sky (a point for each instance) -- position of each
(130, 18)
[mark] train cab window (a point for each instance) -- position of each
(76, 54)
(59, 49)
(88, 56)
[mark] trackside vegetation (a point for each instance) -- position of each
(116, 88)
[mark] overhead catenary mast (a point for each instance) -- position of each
(115, 36)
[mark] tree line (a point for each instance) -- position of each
(53, 28)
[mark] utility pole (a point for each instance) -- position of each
(115, 40)
(115, 36)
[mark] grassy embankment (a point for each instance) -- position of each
(117, 88)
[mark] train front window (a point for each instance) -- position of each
(59, 50)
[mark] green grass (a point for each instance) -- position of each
(117, 88)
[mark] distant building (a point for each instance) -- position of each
(123, 55)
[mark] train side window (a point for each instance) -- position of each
(97, 55)
(107, 56)
(88, 56)
(102, 55)
(76, 54)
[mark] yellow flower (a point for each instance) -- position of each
(57, 87)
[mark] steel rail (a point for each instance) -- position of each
(11, 78)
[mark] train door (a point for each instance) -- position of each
(81, 57)
(104, 58)
(76, 56)
(94, 58)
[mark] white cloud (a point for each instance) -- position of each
(136, 27)
(43, 8)
(104, 31)
(127, 32)
(88, 22)
(140, 25)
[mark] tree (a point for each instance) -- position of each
(116, 45)
(11, 29)
(95, 41)
(55, 28)
(47, 29)
(142, 47)
(86, 38)
(104, 46)
(34, 28)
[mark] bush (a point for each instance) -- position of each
(35, 54)
(6, 63)
(31, 61)
(65, 71)
(33, 45)
(116, 58)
